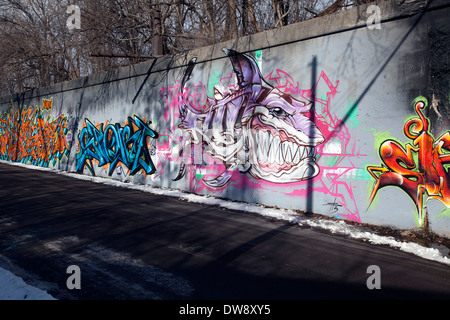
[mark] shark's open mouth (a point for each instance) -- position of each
(276, 152)
(277, 155)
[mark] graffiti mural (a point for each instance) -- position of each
(27, 136)
(258, 133)
(111, 145)
(419, 168)
(255, 129)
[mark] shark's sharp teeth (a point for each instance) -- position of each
(301, 152)
(256, 137)
(291, 151)
(296, 159)
(267, 141)
(276, 142)
(271, 156)
(275, 145)
(258, 146)
(305, 153)
(262, 141)
(262, 155)
(261, 149)
(279, 156)
(286, 149)
(283, 147)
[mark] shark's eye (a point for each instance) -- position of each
(278, 112)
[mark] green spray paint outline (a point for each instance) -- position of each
(213, 80)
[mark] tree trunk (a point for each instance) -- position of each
(157, 40)
(244, 17)
(232, 19)
(280, 12)
(208, 7)
(251, 11)
(334, 7)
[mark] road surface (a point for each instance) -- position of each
(132, 245)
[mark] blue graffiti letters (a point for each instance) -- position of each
(114, 144)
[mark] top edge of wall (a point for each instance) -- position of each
(342, 21)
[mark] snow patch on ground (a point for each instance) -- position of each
(152, 275)
(14, 288)
(59, 244)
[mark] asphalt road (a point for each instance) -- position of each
(131, 245)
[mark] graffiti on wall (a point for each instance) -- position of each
(255, 129)
(28, 136)
(112, 146)
(256, 132)
(419, 168)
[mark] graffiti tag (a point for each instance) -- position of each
(27, 137)
(419, 169)
(112, 144)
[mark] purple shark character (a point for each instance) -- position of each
(256, 129)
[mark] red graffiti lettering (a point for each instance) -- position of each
(426, 176)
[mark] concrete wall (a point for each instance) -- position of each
(328, 116)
